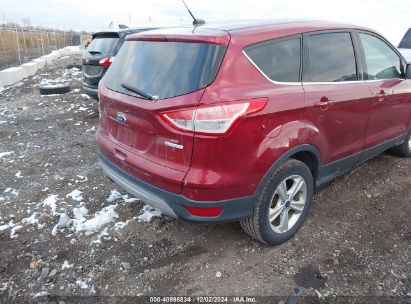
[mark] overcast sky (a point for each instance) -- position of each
(391, 18)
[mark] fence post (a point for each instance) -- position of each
(41, 38)
(2, 46)
(18, 45)
(25, 46)
(48, 41)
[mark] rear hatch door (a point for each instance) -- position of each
(176, 70)
(102, 46)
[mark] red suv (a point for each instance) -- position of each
(241, 121)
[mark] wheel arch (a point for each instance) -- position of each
(305, 153)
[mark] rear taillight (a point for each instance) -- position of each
(214, 119)
(106, 62)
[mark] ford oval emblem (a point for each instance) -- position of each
(121, 118)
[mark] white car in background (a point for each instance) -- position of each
(405, 46)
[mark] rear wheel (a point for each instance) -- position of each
(404, 149)
(282, 205)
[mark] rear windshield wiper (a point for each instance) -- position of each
(94, 52)
(139, 92)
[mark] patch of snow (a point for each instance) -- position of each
(80, 213)
(2, 154)
(147, 213)
(121, 225)
(66, 265)
(75, 195)
(82, 109)
(100, 219)
(18, 174)
(82, 179)
(82, 284)
(40, 294)
(12, 191)
(85, 96)
(115, 195)
(91, 129)
(51, 202)
(54, 230)
(103, 234)
(129, 199)
(7, 226)
(13, 232)
(32, 220)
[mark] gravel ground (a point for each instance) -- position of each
(69, 234)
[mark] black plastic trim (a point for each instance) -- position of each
(337, 168)
(92, 92)
(301, 148)
(233, 209)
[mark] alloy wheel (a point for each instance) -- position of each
(288, 203)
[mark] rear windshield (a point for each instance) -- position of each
(103, 44)
(164, 69)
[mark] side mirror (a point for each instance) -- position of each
(408, 71)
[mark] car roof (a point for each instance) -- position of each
(240, 26)
(125, 31)
(244, 31)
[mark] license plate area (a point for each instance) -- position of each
(125, 135)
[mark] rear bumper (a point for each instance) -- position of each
(91, 91)
(173, 204)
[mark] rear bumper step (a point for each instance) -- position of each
(172, 204)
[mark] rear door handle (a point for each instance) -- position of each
(323, 104)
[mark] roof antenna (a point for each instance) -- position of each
(195, 21)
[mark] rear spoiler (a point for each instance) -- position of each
(219, 40)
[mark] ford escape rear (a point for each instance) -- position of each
(242, 121)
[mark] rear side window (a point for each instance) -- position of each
(406, 41)
(103, 45)
(331, 58)
(164, 69)
(381, 61)
(277, 60)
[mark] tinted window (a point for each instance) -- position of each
(279, 61)
(331, 58)
(103, 45)
(164, 69)
(406, 41)
(382, 62)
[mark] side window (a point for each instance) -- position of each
(331, 58)
(278, 60)
(382, 62)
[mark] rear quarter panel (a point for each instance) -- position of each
(233, 165)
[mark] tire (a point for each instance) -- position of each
(404, 150)
(51, 89)
(277, 200)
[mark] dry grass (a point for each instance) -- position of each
(22, 46)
